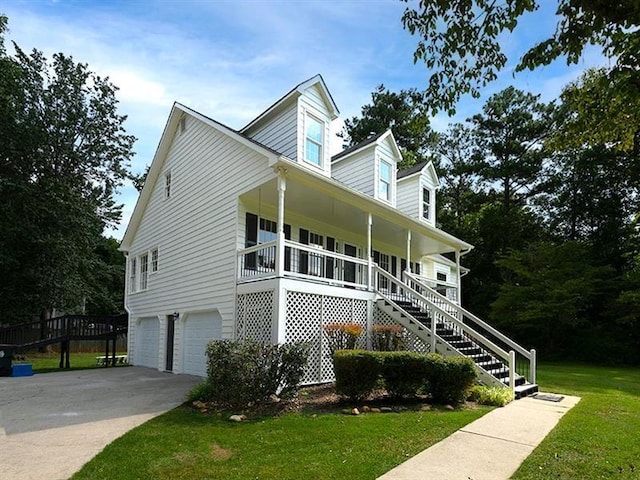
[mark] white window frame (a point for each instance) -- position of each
(133, 274)
(144, 271)
(168, 184)
(426, 210)
(382, 181)
(308, 117)
(154, 260)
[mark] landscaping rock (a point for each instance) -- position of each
(346, 411)
(449, 407)
(386, 409)
(355, 411)
(237, 418)
(375, 410)
(366, 409)
(425, 408)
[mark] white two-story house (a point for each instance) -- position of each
(259, 233)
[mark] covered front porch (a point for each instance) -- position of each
(314, 229)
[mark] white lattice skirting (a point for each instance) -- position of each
(255, 316)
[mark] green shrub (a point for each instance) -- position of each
(493, 396)
(404, 373)
(202, 392)
(357, 372)
(449, 378)
(244, 371)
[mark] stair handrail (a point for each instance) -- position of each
(478, 337)
(520, 349)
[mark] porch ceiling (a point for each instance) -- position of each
(330, 202)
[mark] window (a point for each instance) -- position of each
(314, 141)
(384, 182)
(267, 233)
(133, 268)
(167, 185)
(316, 262)
(144, 271)
(154, 260)
(426, 203)
(441, 289)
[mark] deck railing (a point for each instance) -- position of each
(302, 261)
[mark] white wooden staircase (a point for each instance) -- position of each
(451, 330)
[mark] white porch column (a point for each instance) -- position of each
(408, 266)
(282, 187)
(458, 277)
(369, 249)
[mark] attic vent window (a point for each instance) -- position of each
(167, 185)
(314, 140)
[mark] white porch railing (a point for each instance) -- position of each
(525, 360)
(302, 261)
(446, 289)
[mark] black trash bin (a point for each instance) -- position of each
(6, 357)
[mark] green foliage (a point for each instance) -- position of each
(244, 372)
(548, 294)
(460, 41)
(446, 379)
(404, 373)
(357, 372)
(449, 378)
(202, 392)
(491, 396)
(63, 154)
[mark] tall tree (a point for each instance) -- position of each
(404, 113)
(63, 154)
(461, 41)
(509, 133)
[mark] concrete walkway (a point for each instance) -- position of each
(491, 448)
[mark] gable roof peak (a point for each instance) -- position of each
(294, 93)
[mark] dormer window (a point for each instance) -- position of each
(313, 141)
(426, 203)
(384, 181)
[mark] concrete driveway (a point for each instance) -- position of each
(52, 424)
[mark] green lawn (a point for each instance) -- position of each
(48, 362)
(187, 445)
(599, 437)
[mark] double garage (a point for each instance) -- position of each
(176, 344)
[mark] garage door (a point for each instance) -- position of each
(147, 342)
(199, 328)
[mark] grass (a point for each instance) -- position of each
(48, 362)
(188, 445)
(599, 437)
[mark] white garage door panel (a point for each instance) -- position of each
(147, 342)
(199, 329)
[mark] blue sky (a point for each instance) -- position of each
(232, 59)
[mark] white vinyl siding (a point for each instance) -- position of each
(357, 171)
(278, 132)
(198, 228)
(407, 196)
